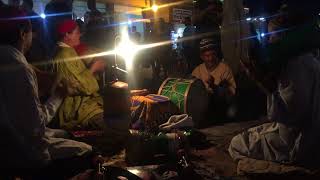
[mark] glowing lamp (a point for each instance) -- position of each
(127, 49)
(155, 8)
(42, 15)
(262, 19)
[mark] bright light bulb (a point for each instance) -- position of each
(262, 34)
(127, 49)
(262, 19)
(42, 15)
(154, 8)
(248, 19)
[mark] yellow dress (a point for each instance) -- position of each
(77, 111)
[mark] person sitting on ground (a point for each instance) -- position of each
(218, 79)
(28, 143)
(290, 76)
(214, 73)
(83, 109)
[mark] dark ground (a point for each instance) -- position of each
(213, 161)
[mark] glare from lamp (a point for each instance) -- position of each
(155, 8)
(42, 15)
(127, 49)
(262, 19)
(134, 171)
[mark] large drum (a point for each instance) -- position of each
(116, 106)
(190, 95)
(148, 112)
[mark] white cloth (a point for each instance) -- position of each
(51, 107)
(294, 108)
(23, 118)
(221, 73)
(176, 122)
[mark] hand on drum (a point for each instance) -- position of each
(210, 81)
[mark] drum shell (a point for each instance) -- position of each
(116, 101)
(192, 93)
(116, 107)
(148, 112)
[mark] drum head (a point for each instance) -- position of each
(176, 90)
(197, 101)
(190, 95)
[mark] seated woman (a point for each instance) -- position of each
(217, 77)
(84, 109)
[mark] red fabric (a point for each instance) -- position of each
(10, 17)
(66, 26)
(81, 49)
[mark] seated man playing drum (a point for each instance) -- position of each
(83, 109)
(216, 75)
(28, 146)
